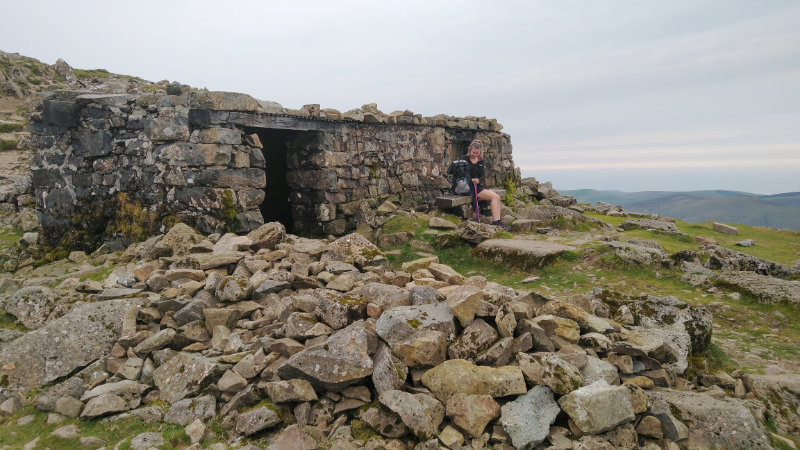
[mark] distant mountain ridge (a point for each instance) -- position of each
(773, 211)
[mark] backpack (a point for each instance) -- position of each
(459, 173)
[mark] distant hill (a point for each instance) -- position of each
(774, 211)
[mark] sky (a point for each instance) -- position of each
(627, 95)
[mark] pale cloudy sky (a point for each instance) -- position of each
(611, 94)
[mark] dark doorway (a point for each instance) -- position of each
(277, 144)
(457, 148)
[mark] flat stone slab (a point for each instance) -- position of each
(724, 228)
(453, 201)
(651, 224)
(766, 289)
(85, 334)
(521, 253)
(714, 423)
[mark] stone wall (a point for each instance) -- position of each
(130, 164)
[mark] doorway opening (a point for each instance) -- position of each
(278, 146)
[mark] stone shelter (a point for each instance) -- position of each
(127, 164)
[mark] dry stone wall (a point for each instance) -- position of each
(133, 164)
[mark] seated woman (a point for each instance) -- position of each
(477, 172)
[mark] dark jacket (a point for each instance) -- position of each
(477, 170)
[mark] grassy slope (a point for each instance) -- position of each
(742, 326)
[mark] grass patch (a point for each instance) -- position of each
(7, 145)
(99, 275)
(401, 223)
(151, 88)
(717, 359)
(11, 127)
(615, 221)
(10, 322)
(96, 73)
(16, 436)
(780, 246)
(9, 236)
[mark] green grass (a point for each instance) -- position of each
(459, 257)
(96, 73)
(7, 145)
(780, 246)
(16, 436)
(99, 275)
(9, 236)
(11, 127)
(401, 223)
(10, 322)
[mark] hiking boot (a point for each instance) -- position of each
(499, 223)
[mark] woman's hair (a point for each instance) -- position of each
(476, 144)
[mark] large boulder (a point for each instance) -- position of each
(715, 422)
(598, 407)
(31, 305)
(389, 372)
(765, 288)
(85, 334)
(385, 296)
(549, 369)
(725, 259)
(419, 412)
(781, 395)
(184, 375)
(666, 346)
(178, 241)
(644, 253)
(527, 419)
(343, 359)
(268, 235)
(472, 412)
(475, 233)
(458, 375)
(401, 322)
(520, 253)
(664, 312)
(660, 226)
(251, 422)
(354, 249)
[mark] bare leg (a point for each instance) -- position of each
(494, 202)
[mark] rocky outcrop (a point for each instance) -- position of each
(781, 395)
(725, 259)
(520, 253)
(765, 289)
(714, 422)
(660, 226)
(662, 312)
(59, 348)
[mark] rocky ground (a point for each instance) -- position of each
(585, 327)
(274, 339)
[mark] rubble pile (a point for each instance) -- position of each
(315, 342)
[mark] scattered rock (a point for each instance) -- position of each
(598, 407)
(419, 412)
(523, 254)
(527, 419)
(724, 228)
(460, 376)
(766, 289)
